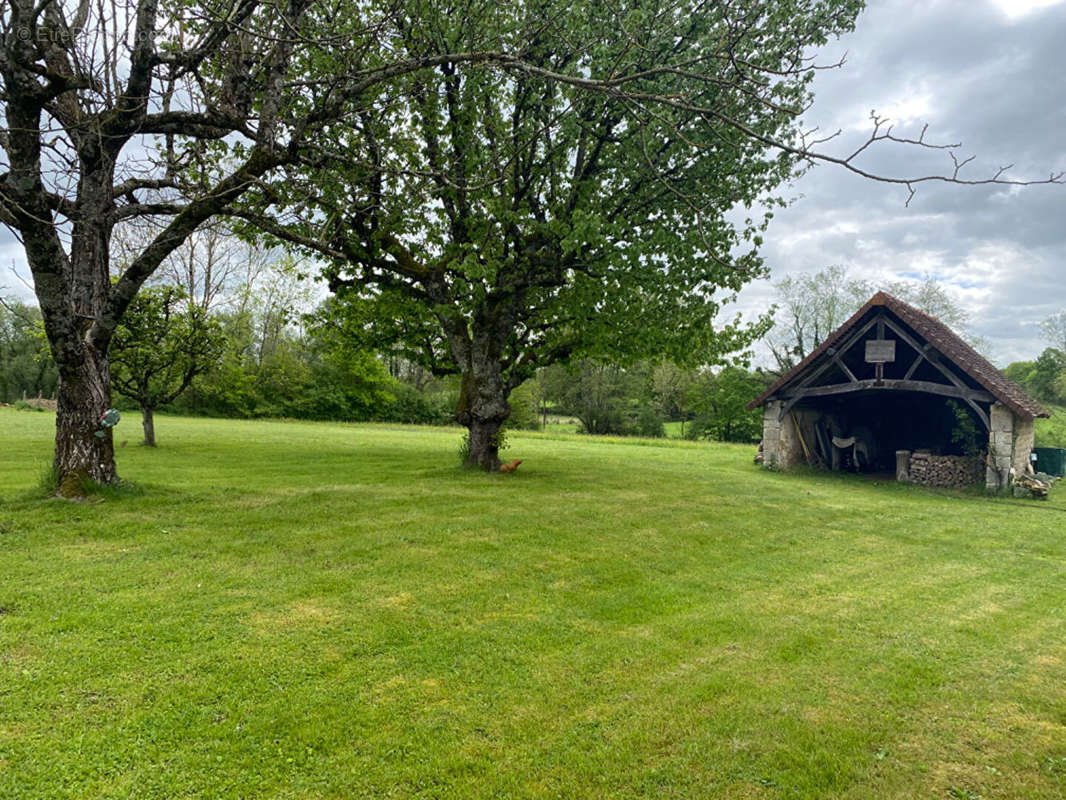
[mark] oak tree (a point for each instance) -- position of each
(595, 200)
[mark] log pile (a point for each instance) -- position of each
(951, 472)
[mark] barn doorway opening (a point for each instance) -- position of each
(864, 431)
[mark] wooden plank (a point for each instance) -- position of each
(880, 351)
(914, 366)
(848, 344)
(845, 370)
(951, 376)
(837, 354)
(928, 387)
(947, 373)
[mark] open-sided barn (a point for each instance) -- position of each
(894, 389)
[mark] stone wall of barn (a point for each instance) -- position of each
(782, 446)
(1024, 433)
(1010, 441)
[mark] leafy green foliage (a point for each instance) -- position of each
(162, 344)
(1052, 432)
(491, 223)
(965, 435)
(524, 402)
(604, 397)
(1045, 378)
(26, 366)
(671, 390)
(272, 367)
(719, 403)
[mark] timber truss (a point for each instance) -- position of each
(944, 381)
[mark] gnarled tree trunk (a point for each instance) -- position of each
(482, 406)
(483, 409)
(84, 447)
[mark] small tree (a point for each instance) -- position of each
(720, 402)
(598, 394)
(671, 387)
(162, 344)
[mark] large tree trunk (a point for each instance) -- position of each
(148, 423)
(82, 455)
(483, 409)
(478, 349)
(84, 447)
(484, 444)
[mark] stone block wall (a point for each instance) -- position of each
(1000, 448)
(781, 446)
(1024, 433)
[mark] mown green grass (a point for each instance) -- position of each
(283, 610)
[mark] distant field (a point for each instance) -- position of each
(297, 610)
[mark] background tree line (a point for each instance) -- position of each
(229, 329)
(232, 330)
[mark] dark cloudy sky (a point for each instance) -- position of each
(988, 73)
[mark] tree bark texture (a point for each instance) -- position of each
(85, 372)
(483, 409)
(148, 423)
(484, 445)
(482, 406)
(80, 454)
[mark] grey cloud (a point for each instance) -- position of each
(993, 83)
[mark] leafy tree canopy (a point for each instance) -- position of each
(164, 342)
(492, 224)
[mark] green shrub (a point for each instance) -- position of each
(649, 423)
(523, 409)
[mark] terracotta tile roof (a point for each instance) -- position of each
(939, 336)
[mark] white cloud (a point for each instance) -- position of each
(1019, 8)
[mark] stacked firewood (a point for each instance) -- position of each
(957, 472)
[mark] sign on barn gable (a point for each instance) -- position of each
(880, 351)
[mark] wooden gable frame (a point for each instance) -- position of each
(956, 370)
(953, 386)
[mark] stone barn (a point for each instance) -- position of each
(894, 390)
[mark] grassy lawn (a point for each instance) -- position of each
(283, 610)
